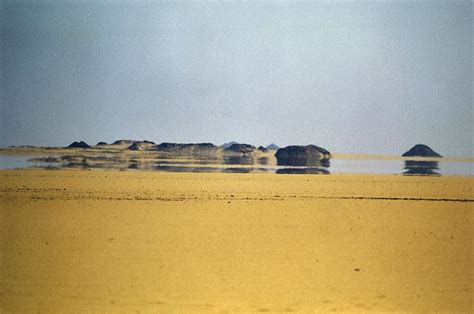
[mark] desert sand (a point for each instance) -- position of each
(110, 241)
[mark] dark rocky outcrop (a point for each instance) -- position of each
(240, 148)
(131, 142)
(135, 146)
(178, 147)
(272, 147)
(262, 149)
(310, 155)
(421, 150)
(80, 144)
(123, 142)
(101, 144)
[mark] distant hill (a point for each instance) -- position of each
(240, 148)
(123, 142)
(178, 147)
(421, 150)
(80, 144)
(227, 145)
(130, 142)
(272, 147)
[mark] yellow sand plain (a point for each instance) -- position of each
(109, 241)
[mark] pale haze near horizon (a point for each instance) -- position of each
(350, 77)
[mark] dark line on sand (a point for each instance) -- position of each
(397, 198)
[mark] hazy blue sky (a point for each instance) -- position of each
(351, 77)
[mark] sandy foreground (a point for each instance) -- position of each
(110, 241)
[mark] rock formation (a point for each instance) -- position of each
(421, 150)
(130, 142)
(227, 145)
(101, 144)
(123, 142)
(185, 148)
(240, 148)
(135, 146)
(272, 147)
(310, 155)
(80, 144)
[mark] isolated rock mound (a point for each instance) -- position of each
(309, 155)
(80, 144)
(240, 148)
(101, 144)
(421, 150)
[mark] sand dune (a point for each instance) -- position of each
(182, 242)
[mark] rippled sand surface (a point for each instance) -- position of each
(110, 241)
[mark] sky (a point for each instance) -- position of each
(356, 77)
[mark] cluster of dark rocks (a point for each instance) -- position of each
(240, 148)
(293, 155)
(228, 148)
(130, 142)
(176, 147)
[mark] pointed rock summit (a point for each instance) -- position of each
(272, 147)
(80, 144)
(421, 150)
(227, 145)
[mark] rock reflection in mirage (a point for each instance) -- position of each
(421, 168)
